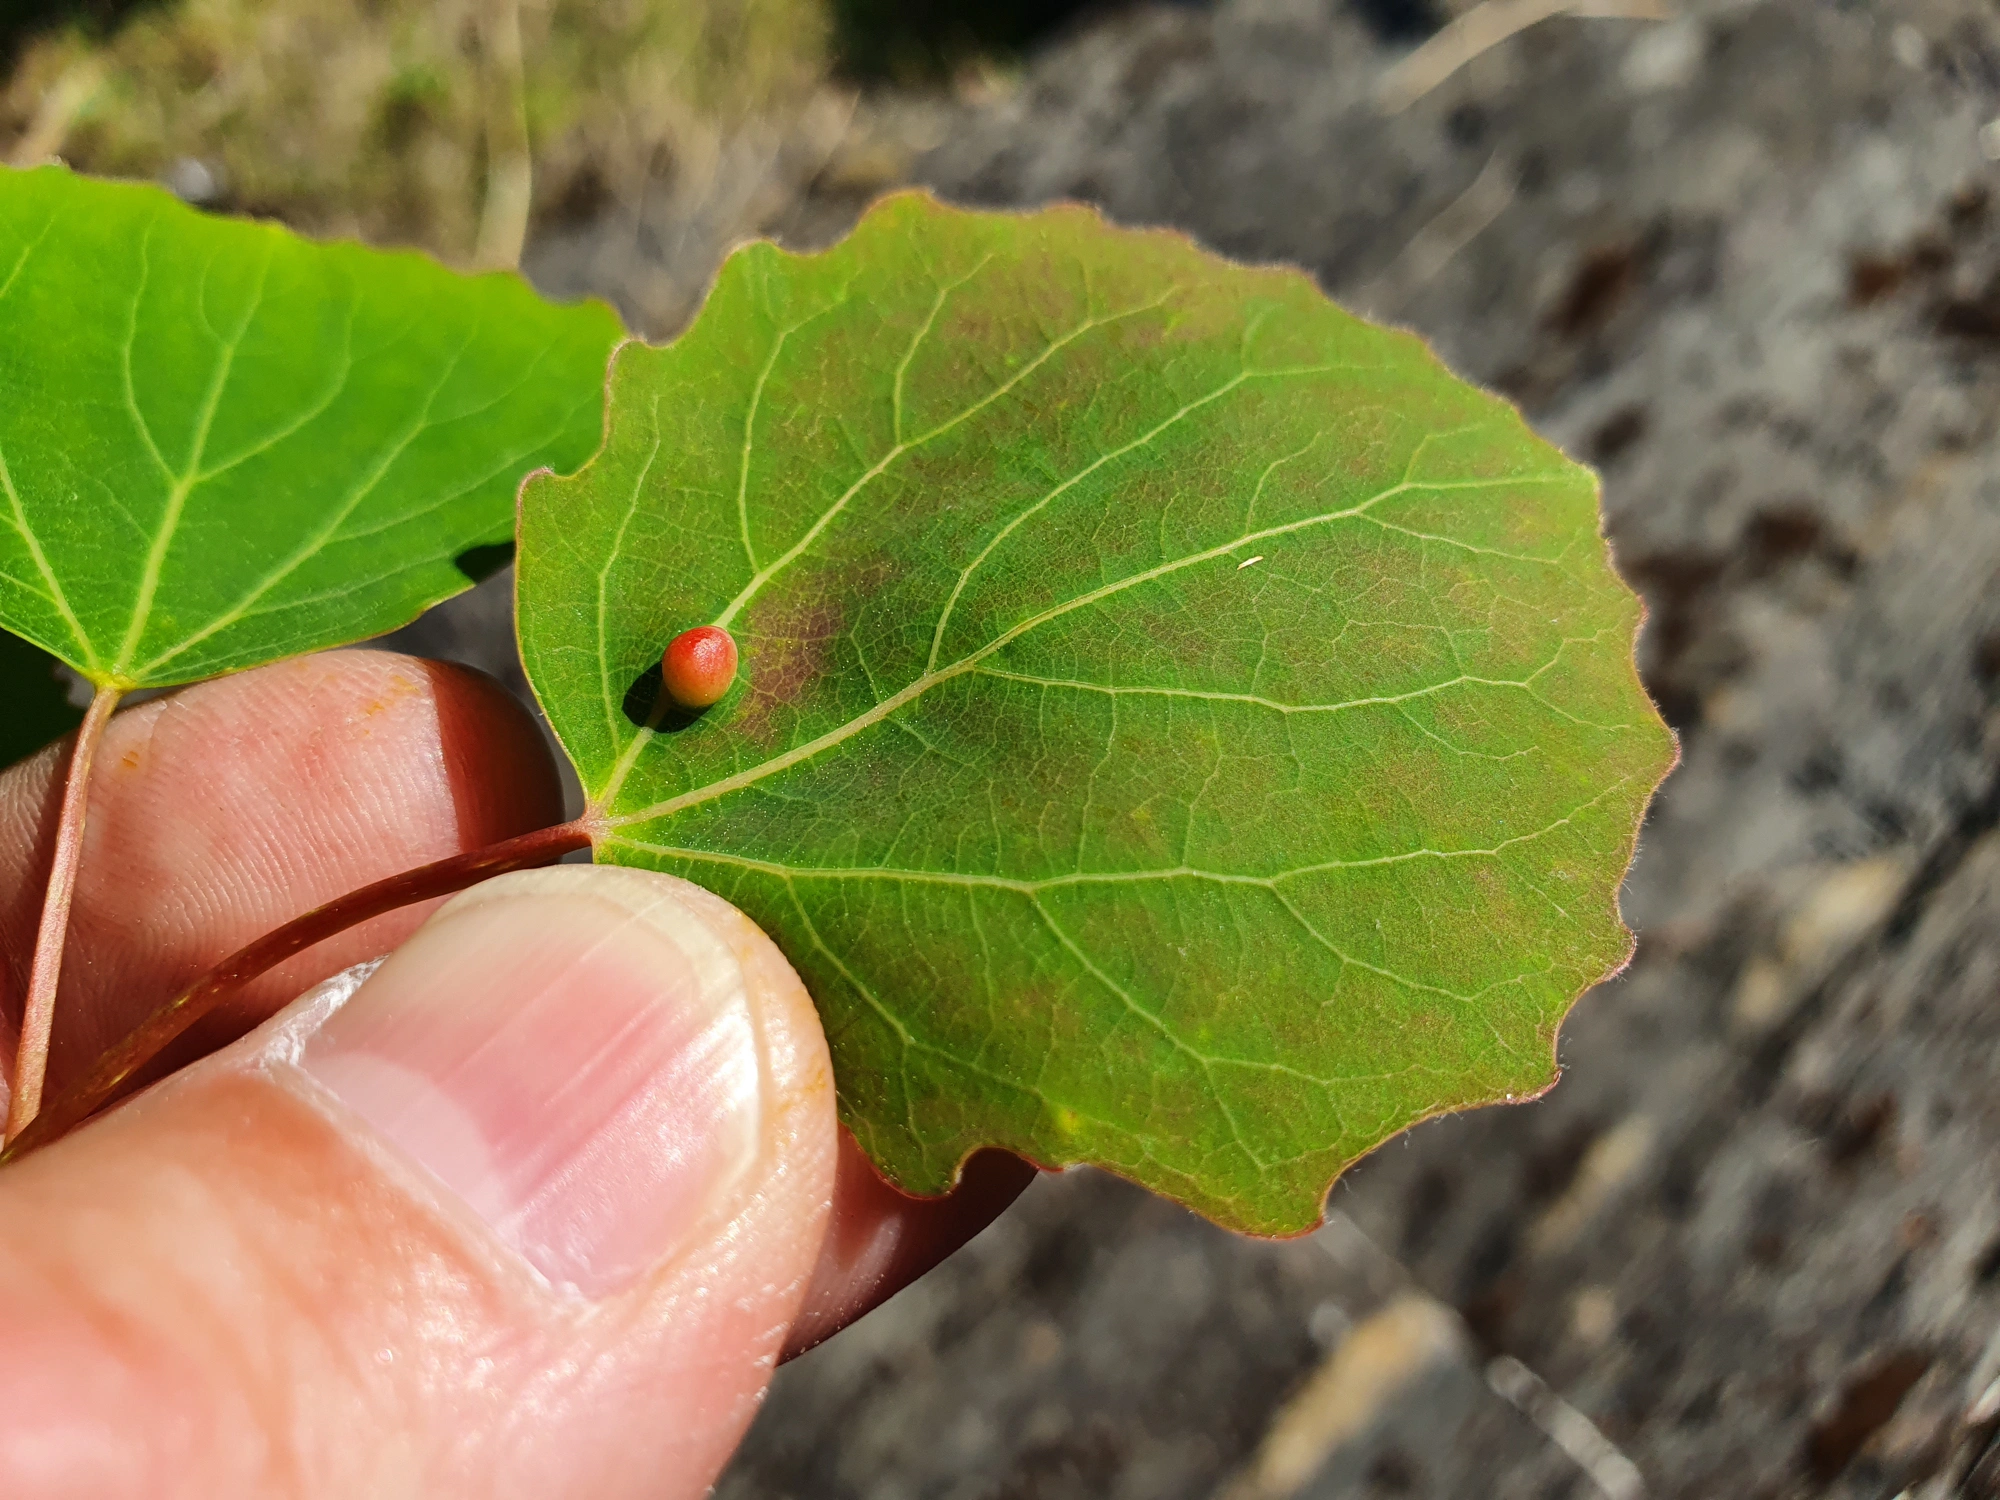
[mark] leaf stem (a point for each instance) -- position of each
(119, 1067)
(31, 1055)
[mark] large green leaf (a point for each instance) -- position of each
(221, 444)
(1181, 727)
(34, 708)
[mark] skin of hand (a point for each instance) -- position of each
(535, 1210)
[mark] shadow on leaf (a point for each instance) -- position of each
(648, 706)
(482, 562)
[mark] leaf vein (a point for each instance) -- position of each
(1033, 887)
(183, 484)
(896, 451)
(1258, 700)
(17, 517)
(1023, 516)
(27, 253)
(844, 732)
(317, 539)
(630, 754)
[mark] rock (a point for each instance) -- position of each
(1751, 1244)
(1747, 262)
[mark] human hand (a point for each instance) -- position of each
(535, 1213)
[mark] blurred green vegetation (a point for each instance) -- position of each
(388, 119)
(373, 119)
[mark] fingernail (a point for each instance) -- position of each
(571, 1052)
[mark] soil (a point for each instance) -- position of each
(1747, 261)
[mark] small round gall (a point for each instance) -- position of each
(698, 666)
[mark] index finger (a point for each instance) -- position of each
(223, 811)
(227, 809)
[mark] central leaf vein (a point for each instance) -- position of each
(929, 680)
(184, 483)
(336, 517)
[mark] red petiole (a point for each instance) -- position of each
(120, 1066)
(31, 1055)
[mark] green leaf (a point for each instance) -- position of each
(221, 444)
(1180, 727)
(34, 708)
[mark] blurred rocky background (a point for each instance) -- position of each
(1744, 256)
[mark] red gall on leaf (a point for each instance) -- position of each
(699, 665)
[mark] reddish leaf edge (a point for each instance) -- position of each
(1170, 233)
(1612, 972)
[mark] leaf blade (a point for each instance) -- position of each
(221, 444)
(1140, 655)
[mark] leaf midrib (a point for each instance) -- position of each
(1022, 517)
(317, 541)
(182, 485)
(629, 756)
(931, 679)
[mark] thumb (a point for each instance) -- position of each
(528, 1214)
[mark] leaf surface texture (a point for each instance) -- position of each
(1180, 726)
(221, 444)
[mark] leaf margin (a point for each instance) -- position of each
(1626, 852)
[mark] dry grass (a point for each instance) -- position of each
(1485, 26)
(373, 117)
